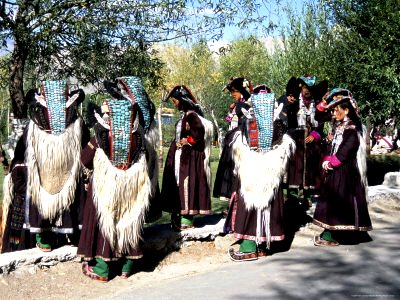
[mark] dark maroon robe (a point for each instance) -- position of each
(243, 222)
(24, 212)
(342, 204)
(192, 196)
(92, 243)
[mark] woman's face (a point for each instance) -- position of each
(340, 113)
(176, 102)
(236, 95)
(305, 92)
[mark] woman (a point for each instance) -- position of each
(343, 205)
(256, 208)
(42, 203)
(186, 177)
(120, 187)
(240, 89)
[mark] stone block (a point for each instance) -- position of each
(392, 180)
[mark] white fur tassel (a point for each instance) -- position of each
(55, 155)
(152, 140)
(8, 188)
(122, 199)
(362, 160)
(208, 136)
(261, 172)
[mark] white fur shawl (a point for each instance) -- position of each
(121, 199)
(260, 173)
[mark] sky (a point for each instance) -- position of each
(276, 15)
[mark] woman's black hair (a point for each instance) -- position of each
(352, 115)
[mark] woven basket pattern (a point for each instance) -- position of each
(55, 95)
(121, 117)
(135, 87)
(263, 105)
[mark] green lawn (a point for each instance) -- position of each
(217, 205)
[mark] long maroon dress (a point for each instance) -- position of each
(192, 195)
(343, 204)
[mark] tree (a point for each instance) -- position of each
(86, 38)
(367, 53)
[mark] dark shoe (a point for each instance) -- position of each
(43, 248)
(261, 253)
(88, 271)
(242, 256)
(177, 225)
(175, 222)
(318, 241)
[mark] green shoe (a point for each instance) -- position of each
(186, 222)
(248, 246)
(45, 247)
(127, 269)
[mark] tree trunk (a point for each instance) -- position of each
(17, 64)
(161, 146)
(367, 137)
(218, 131)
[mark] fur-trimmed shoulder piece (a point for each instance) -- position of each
(208, 136)
(258, 188)
(121, 199)
(7, 200)
(362, 160)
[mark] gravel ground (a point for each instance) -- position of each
(65, 280)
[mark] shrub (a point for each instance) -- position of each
(379, 165)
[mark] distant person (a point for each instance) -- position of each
(374, 135)
(396, 139)
(343, 206)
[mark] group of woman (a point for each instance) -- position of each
(99, 191)
(310, 143)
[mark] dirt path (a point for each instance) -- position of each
(65, 281)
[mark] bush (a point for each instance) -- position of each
(379, 165)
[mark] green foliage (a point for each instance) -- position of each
(366, 48)
(92, 40)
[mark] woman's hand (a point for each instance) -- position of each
(309, 139)
(184, 141)
(326, 165)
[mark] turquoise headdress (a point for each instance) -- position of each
(133, 89)
(337, 96)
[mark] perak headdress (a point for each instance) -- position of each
(242, 85)
(337, 96)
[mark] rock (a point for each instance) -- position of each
(392, 180)
(382, 193)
